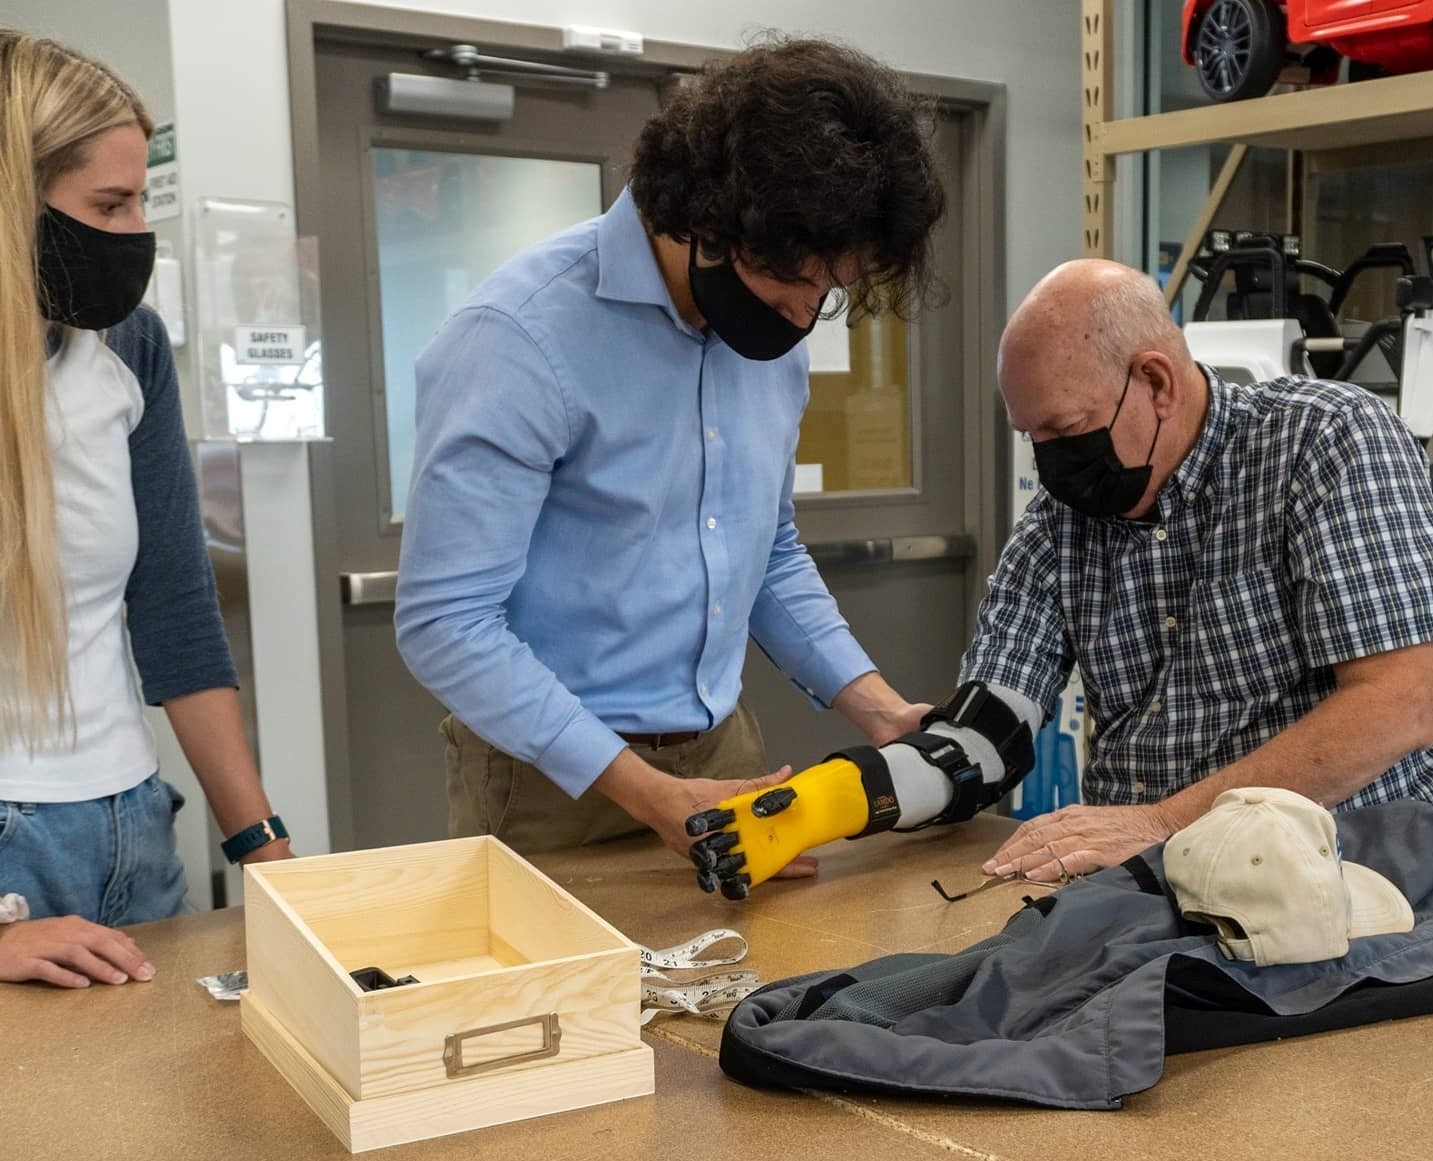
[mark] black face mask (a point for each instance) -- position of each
(90, 278)
(741, 320)
(1085, 472)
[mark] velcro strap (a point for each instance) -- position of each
(966, 781)
(885, 810)
(939, 750)
(975, 707)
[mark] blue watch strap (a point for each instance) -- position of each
(251, 838)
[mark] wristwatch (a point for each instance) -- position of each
(251, 838)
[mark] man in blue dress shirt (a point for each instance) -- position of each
(601, 508)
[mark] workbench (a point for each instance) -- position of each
(161, 1070)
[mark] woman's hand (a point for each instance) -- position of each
(69, 952)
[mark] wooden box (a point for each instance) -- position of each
(526, 1002)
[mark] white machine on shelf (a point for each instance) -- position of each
(1246, 350)
(1254, 350)
(1415, 389)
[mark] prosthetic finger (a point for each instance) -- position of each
(737, 887)
(708, 820)
(752, 836)
(773, 801)
(705, 852)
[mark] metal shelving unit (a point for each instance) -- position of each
(1309, 121)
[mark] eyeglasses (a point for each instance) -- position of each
(1001, 880)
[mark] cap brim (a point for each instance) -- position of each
(1377, 907)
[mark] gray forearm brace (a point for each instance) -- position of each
(973, 706)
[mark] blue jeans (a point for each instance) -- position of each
(112, 860)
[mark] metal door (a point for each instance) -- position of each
(890, 518)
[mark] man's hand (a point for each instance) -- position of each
(877, 710)
(750, 837)
(69, 952)
(1075, 840)
(665, 802)
(685, 797)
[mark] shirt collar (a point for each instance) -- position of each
(1191, 475)
(627, 270)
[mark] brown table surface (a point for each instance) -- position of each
(161, 1070)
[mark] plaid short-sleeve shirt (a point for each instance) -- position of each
(1297, 534)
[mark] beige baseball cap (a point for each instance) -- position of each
(1263, 867)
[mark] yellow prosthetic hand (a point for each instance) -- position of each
(745, 840)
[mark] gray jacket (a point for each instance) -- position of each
(1076, 1002)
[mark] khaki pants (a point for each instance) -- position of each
(490, 792)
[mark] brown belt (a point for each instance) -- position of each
(661, 741)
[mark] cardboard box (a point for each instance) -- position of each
(526, 1002)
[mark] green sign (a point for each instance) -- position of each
(162, 149)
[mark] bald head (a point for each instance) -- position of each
(1090, 317)
(1092, 341)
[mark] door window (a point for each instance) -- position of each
(444, 222)
(856, 434)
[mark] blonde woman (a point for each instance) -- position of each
(102, 556)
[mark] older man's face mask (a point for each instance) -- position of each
(1085, 472)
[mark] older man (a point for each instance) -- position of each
(1244, 575)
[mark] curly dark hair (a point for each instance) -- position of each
(795, 149)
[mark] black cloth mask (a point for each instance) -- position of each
(738, 316)
(1085, 472)
(89, 278)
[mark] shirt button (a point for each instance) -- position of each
(711, 435)
(703, 688)
(711, 521)
(1137, 788)
(1156, 705)
(1161, 534)
(716, 608)
(1170, 622)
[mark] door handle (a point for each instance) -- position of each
(379, 588)
(892, 550)
(367, 588)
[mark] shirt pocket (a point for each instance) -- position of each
(1242, 645)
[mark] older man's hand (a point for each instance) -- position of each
(1075, 840)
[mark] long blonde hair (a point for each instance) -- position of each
(52, 102)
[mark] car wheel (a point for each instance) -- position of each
(1239, 48)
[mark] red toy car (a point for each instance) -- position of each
(1239, 47)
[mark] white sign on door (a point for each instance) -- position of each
(268, 345)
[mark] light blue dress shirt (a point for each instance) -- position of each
(601, 511)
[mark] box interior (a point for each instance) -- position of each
(437, 911)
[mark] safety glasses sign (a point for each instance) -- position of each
(269, 344)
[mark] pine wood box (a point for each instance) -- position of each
(527, 1002)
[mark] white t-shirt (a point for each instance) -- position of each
(93, 403)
